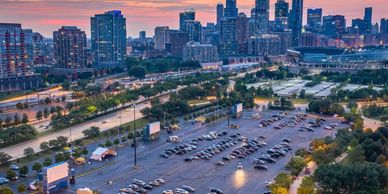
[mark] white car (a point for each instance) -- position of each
(168, 192)
(14, 167)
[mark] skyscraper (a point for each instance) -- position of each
(69, 48)
(178, 41)
(334, 25)
(242, 33)
(220, 13)
(13, 56)
(384, 26)
(281, 15)
(162, 36)
(359, 24)
(314, 20)
(368, 20)
(142, 35)
(262, 16)
(231, 9)
(194, 29)
(108, 39)
(296, 24)
(39, 48)
(228, 44)
(188, 14)
(14, 69)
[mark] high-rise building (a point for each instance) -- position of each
(14, 67)
(188, 14)
(228, 45)
(220, 13)
(203, 53)
(296, 24)
(142, 35)
(231, 9)
(178, 40)
(162, 36)
(210, 34)
(242, 33)
(108, 39)
(39, 49)
(359, 25)
(384, 26)
(314, 20)
(69, 48)
(281, 15)
(194, 29)
(334, 25)
(368, 20)
(262, 16)
(29, 45)
(265, 45)
(13, 53)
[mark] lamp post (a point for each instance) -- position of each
(134, 135)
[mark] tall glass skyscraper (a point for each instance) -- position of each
(187, 15)
(368, 20)
(231, 9)
(314, 19)
(262, 16)
(220, 13)
(108, 33)
(296, 23)
(281, 15)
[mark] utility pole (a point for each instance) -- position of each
(134, 134)
(228, 111)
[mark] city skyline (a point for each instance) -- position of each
(47, 16)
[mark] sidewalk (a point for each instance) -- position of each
(313, 166)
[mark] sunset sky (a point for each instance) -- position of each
(45, 16)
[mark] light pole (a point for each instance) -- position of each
(228, 110)
(134, 135)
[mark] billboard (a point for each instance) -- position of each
(55, 177)
(239, 108)
(153, 127)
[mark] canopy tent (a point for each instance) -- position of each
(101, 153)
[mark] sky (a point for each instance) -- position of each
(46, 16)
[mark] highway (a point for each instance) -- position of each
(106, 122)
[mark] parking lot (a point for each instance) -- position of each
(218, 157)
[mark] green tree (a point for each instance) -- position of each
(37, 166)
(356, 154)
(23, 171)
(66, 85)
(48, 161)
(296, 164)
(44, 146)
(39, 115)
(46, 113)
(28, 152)
(16, 119)
(4, 158)
(5, 190)
(302, 94)
(108, 143)
(1, 123)
(22, 188)
(352, 104)
(307, 186)
(7, 120)
(116, 142)
(10, 174)
(283, 180)
(25, 118)
(92, 132)
(137, 71)
(302, 152)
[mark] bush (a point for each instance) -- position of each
(10, 174)
(47, 162)
(37, 166)
(108, 143)
(116, 142)
(22, 188)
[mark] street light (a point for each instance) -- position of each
(134, 135)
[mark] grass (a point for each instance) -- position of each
(300, 101)
(7, 96)
(196, 101)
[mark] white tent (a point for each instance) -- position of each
(100, 153)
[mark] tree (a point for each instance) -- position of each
(59, 157)
(7, 120)
(352, 178)
(307, 186)
(283, 180)
(47, 100)
(39, 115)
(10, 174)
(23, 171)
(137, 71)
(53, 109)
(66, 85)
(108, 143)
(44, 146)
(25, 118)
(295, 165)
(29, 152)
(4, 158)
(19, 105)
(1, 123)
(356, 154)
(352, 104)
(5, 190)
(116, 141)
(37, 166)
(302, 94)
(22, 188)
(16, 119)
(302, 152)
(92, 132)
(46, 112)
(48, 161)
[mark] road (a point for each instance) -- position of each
(201, 174)
(106, 122)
